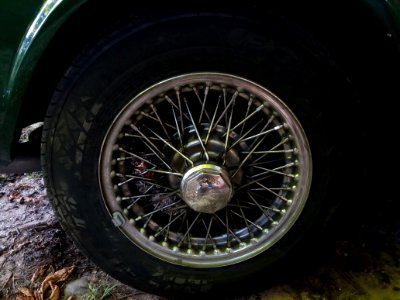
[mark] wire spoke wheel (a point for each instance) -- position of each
(205, 170)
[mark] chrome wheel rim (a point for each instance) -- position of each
(205, 170)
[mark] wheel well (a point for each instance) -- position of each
(354, 36)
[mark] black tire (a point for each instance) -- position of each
(107, 75)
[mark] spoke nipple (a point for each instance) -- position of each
(217, 252)
(189, 251)
(115, 187)
(265, 230)
(143, 231)
(134, 127)
(116, 147)
(175, 249)
(151, 238)
(283, 211)
(274, 223)
(289, 202)
(202, 253)
(118, 199)
(253, 240)
(165, 244)
(121, 135)
(113, 162)
(132, 221)
(228, 250)
(112, 174)
(126, 212)
(242, 245)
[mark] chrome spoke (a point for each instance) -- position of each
(246, 158)
(260, 207)
(244, 135)
(263, 133)
(188, 229)
(247, 221)
(149, 218)
(208, 236)
(178, 97)
(155, 119)
(159, 171)
(227, 229)
(212, 121)
(157, 155)
(177, 128)
(223, 114)
(249, 103)
(202, 102)
(273, 192)
(272, 149)
(224, 94)
(242, 122)
(228, 130)
(156, 211)
(172, 147)
(139, 136)
(159, 121)
(153, 148)
(179, 107)
(169, 223)
(263, 129)
(135, 156)
(145, 196)
(275, 170)
(197, 131)
(252, 182)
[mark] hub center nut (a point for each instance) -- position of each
(206, 188)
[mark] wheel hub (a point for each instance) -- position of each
(206, 188)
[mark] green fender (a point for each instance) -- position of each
(26, 28)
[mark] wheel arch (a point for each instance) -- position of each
(374, 36)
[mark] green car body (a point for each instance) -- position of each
(28, 27)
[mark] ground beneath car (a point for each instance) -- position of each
(36, 256)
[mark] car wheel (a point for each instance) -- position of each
(187, 154)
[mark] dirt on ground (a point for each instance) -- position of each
(33, 247)
(39, 261)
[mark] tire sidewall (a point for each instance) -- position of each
(111, 73)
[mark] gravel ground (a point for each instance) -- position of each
(362, 262)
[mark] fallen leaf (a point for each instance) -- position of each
(24, 298)
(55, 292)
(15, 196)
(59, 276)
(38, 273)
(38, 296)
(25, 291)
(51, 269)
